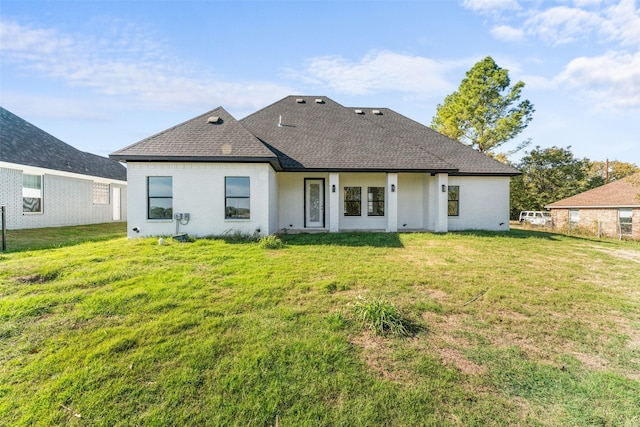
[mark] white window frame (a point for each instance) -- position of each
(33, 193)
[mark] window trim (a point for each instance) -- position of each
(226, 197)
(371, 202)
(456, 201)
(626, 226)
(352, 201)
(40, 194)
(149, 197)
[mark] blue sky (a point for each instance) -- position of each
(101, 75)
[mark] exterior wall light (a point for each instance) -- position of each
(393, 188)
(333, 188)
(444, 188)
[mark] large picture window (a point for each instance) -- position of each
(453, 208)
(375, 201)
(352, 201)
(237, 197)
(160, 197)
(31, 193)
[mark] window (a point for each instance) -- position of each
(375, 201)
(100, 193)
(574, 217)
(160, 197)
(625, 216)
(237, 197)
(453, 208)
(32, 193)
(352, 201)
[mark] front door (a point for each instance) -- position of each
(313, 202)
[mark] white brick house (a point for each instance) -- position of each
(47, 183)
(310, 164)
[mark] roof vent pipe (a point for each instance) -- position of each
(319, 101)
(300, 100)
(359, 112)
(377, 112)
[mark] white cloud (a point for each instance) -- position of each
(127, 64)
(622, 23)
(562, 24)
(507, 33)
(491, 5)
(610, 81)
(380, 71)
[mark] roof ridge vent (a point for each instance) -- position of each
(358, 111)
(377, 112)
(319, 101)
(300, 100)
(213, 119)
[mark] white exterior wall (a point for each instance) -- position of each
(199, 190)
(291, 199)
(67, 198)
(412, 201)
(484, 203)
(363, 222)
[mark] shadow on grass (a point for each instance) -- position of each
(374, 239)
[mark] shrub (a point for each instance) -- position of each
(270, 242)
(381, 317)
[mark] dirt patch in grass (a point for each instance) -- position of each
(625, 254)
(34, 279)
(378, 357)
(448, 342)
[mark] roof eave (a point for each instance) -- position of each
(617, 206)
(273, 161)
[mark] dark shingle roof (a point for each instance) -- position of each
(303, 134)
(24, 144)
(620, 193)
(200, 139)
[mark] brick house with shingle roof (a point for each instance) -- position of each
(48, 183)
(612, 209)
(308, 163)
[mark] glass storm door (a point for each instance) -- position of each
(314, 203)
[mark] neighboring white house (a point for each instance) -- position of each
(47, 183)
(309, 164)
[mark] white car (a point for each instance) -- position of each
(535, 218)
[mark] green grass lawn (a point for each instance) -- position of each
(518, 328)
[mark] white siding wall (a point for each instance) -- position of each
(362, 222)
(199, 190)
(291, 199)
(67, 199)
(411, 201)
(484, 203)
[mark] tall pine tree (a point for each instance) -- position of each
(485, 112)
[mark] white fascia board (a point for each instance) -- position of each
(34, 170)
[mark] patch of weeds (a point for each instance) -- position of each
(381, 317)
(337, 321)
(333, 287)
(270, 242)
